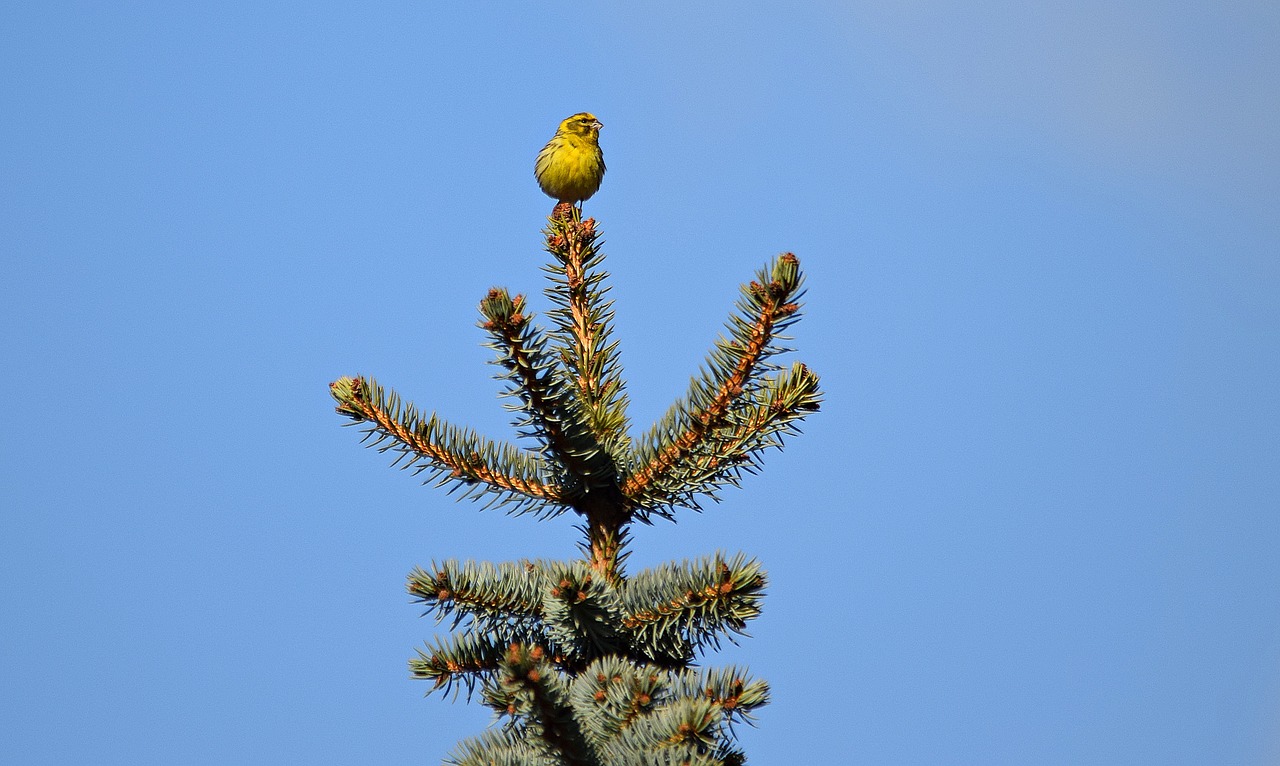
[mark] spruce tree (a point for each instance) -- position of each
(586, 664)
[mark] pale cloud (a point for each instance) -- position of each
(1187, 94)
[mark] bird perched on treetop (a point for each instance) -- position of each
(571, 166)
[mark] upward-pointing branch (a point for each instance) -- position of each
(583, 327)
(696, 440)
(551, 413)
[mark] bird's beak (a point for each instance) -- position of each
(597, 125)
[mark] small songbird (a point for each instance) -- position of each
(571, 166)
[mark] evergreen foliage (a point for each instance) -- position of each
(586, 665)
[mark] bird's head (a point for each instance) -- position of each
(582, 124)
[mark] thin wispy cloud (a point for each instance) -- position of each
(1188, 94)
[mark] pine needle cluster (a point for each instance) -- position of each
(585, 664)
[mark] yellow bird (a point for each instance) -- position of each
(571, 166)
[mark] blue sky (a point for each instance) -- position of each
(1036, 521)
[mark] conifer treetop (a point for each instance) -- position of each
(583, 664)
(565, 387)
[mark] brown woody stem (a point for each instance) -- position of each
(713, 416)
(458, 466)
